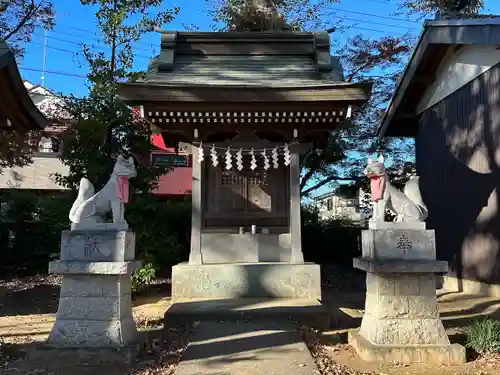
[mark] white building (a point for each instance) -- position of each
(39, 174)
(337, 206)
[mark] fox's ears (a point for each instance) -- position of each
(380, 159)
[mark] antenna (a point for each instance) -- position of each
(44, 57)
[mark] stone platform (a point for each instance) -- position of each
(309, 312)
(401, 320)
(246, 280)
(451, 354)
(95, 307)
(246, 348)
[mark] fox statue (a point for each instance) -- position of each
(89, 208)
(407, 205)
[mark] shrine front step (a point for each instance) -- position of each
(246, 280)
(308, 312)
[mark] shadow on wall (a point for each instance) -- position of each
(457, 152)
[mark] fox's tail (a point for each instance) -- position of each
(85, 191)
(412, 191)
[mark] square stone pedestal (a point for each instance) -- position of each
(246, 280)
(401, 321)
(95, 308)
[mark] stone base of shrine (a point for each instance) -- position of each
(451, 354)
(246, 280)
(95, 307)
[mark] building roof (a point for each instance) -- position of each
(400, 118)
(17, 110)
(200, 66)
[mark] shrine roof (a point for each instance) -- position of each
(243, 61)
(17, 110)
(247, 70)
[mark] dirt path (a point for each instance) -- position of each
(27, 312)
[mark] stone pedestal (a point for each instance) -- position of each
(401, 321)
(246, 280)
(95, 308)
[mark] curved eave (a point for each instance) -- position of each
(15, 102)
(141, 93)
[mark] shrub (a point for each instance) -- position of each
(484, 336)
(142, 277)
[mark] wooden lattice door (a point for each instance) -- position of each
(244, 191)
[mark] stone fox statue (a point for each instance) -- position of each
(407, 205)
(89, 208)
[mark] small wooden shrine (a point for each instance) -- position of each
(17, 110)
(247, 105)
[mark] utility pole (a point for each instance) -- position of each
(44, 57)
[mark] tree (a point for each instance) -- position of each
(18, 21)
(253, 15)
(344, 158)
(455, 7)
(103, 125)
(378, 60)
(20, 18)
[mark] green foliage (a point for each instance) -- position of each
(162, 231)
(329, 241)
(484, 336)
(460, 7)
(142, 277)
(31, 225)
(243, 15)
(104, 126)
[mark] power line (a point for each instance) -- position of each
(374, 23)
(53, 72)
(99, 47)
(98, 40)
(87, 31)
(54, 48)
(366, 29)
(371, 15)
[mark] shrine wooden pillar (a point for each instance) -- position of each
(195, 256)
(296, 256)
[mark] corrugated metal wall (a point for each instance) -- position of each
(458, 159)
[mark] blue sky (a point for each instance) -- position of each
(75, 24)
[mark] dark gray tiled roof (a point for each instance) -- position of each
(247, 70)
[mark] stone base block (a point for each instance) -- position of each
(114, 333)
(246, 280)
(400, 266)
(98, 245)
(308, 312)
(398, 244)
(94, 310)
(451, 354)
(81, 356)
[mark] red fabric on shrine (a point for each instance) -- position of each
(377, 187)
(122, 188)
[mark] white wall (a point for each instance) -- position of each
(34, 176)
(458, 69)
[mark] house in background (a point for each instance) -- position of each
(17, 110)
(339, 206)
(448, 100)
(46, 144)
(176, 184)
